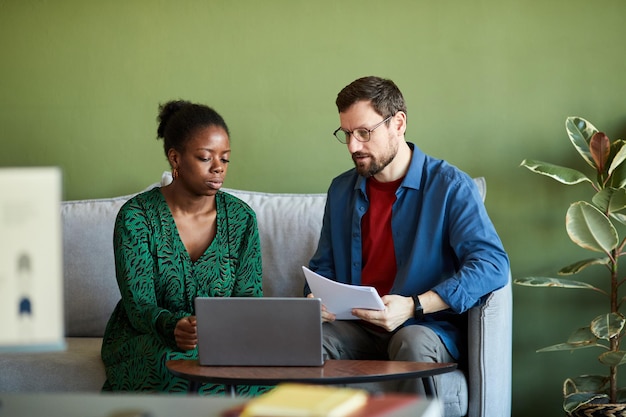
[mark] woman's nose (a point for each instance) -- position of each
(218, 166)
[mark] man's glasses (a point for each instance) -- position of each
(361, 134)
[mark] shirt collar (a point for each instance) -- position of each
(413, 177)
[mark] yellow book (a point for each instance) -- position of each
(299, 400)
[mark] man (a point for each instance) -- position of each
(412, 226)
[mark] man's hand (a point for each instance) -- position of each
(186, 333)
(398, 309)
(326, 315)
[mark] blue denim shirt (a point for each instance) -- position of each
(443, 238)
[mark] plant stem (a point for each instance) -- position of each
(614, 340)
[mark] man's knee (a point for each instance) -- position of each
(348, 340)
(417, 343)
(331, 343)
(338, 340)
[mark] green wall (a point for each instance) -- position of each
(488, 83)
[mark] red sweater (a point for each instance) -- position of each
(379, 257)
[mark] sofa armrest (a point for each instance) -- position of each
(490, 355)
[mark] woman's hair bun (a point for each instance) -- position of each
(166, 111)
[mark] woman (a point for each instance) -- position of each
(173, 244)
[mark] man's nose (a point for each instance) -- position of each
(354, 144)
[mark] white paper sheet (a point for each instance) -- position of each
(340, 298)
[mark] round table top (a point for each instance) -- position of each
(332, 372)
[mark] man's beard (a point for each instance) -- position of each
(375, 166)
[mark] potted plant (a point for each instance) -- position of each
(593, 225)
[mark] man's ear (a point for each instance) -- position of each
(400, 122)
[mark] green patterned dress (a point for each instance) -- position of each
(158, 282)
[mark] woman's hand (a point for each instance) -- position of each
(326, 315)
(186, 333)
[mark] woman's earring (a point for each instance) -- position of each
(174, 174)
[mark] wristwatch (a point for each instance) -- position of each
(418, 312)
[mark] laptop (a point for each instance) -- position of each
(259, 331)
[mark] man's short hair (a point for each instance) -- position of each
(384, 95)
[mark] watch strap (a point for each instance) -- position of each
(418, 311)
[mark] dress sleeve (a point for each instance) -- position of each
(249, 270)
(135, 273)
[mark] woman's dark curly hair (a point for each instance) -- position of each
(180, 119)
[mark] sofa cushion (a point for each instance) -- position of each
(289, 227)
(90, 287)
(78, 368)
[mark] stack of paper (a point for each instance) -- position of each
(341, 298)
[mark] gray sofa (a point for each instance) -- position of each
(289, 226)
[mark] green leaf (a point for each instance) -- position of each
(589, 228)
(613, 358)
(619, 217)
(573, 401)
(580, 339)
(580, 132)
(619, 157)
(568, 346)
(582, 336)
(610, 199)
(553, 282)
(567, 176)
(607, 326)
(576, 267)
(617, 170)
(618, 200)
(585, 383)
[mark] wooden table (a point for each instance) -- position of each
(333, 372)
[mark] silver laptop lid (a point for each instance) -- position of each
(251, 331)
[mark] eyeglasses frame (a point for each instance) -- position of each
(350, 133)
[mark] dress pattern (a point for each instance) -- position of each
(158, 282)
